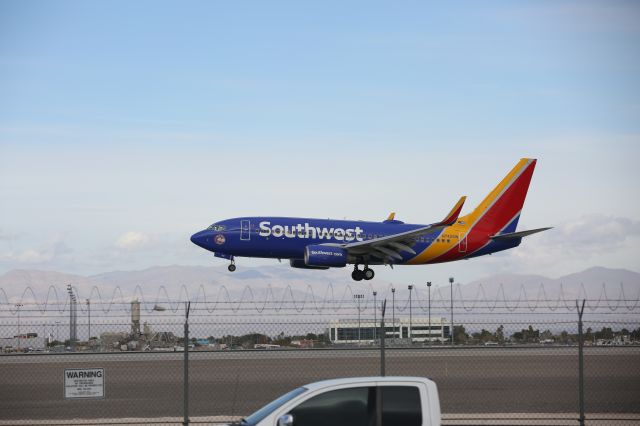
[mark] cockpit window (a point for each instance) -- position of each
(216, 227)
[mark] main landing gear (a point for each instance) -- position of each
(364, 274)
(232, 267)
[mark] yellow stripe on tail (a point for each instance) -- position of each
(477, 213)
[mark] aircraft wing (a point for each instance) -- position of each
(390, 247)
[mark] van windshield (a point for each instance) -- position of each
(257, 417)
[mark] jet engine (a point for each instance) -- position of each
(325, 256)
(299, 263)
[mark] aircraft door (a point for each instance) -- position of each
(462, 242)
(245, 230)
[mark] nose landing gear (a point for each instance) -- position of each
(232, 267)
(364, 274)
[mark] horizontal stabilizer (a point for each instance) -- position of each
(520, 234)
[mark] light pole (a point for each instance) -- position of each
(429, 288)
(451, 283)
(375, 317)
(393, 296)
(358, 297)
(57, 324)
(410, 319)
(89, 311)
(18, 306)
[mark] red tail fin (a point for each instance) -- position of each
(500, 210)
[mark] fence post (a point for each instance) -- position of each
(187, 306)
(382, 365)
(382, 342)
(72, 318)
(580, 310)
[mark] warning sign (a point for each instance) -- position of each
(83, 383)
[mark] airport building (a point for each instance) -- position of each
(418, 329)
(23, 343)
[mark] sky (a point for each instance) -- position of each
(127, 126)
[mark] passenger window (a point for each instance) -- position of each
(342, 407)
(400, 406)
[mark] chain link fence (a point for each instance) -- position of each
(503, 364)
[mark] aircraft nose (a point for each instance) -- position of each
(200, 238)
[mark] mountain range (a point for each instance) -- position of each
(280, 282)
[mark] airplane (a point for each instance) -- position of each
(324, 243)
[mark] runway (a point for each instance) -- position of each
(478, 380)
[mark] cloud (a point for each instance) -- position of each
(5, 236)
(132, 241)
(30, 256)
(589, 240)
(594, 234)
(53, 250)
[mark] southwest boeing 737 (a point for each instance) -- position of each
(323, 244)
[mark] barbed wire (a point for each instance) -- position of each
(305, 301)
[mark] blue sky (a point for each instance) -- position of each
(125, 127)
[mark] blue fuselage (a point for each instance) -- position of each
(287, 237)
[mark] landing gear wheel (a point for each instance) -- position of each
(232, 267)
(368, 274)
(357, 274)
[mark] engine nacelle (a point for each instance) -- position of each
(299, 263)
(325, 256)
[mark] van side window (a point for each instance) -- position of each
(401, 406)
(341, 407)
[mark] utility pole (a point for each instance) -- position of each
(358, 297)
(393, 308)
(451, 283)
(410, 317)
(429, 288)
(375, 317)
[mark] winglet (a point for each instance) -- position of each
(452, 217)
(391, 216)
